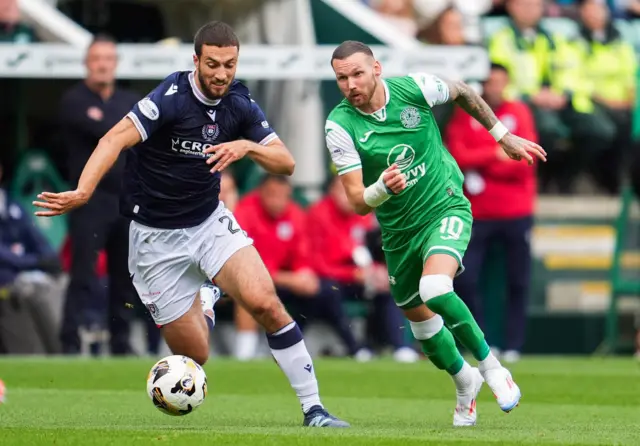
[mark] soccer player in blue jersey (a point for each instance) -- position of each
(180, 137)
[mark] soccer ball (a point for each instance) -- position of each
(177, 385)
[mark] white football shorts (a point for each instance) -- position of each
(168, 266)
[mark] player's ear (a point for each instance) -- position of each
(377, 68)
(195, 60)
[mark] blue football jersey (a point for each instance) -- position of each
(167, 183)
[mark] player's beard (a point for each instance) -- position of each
(365, 96)
(205, 88)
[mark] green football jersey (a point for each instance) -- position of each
(403, 132)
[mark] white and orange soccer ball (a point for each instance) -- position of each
(177, 385)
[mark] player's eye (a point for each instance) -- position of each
(230, 65)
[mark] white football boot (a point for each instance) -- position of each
(465, 413)
(504, 389)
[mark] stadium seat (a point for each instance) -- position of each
(35, 173)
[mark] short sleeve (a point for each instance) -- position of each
(434, 89)
(156, 109)
(256, 128)
(342, 149)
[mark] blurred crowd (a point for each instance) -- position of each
(580, 88)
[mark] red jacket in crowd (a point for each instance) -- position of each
(334, 235)
(497, 188)
(282, 242)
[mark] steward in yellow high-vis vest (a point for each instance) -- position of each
(608, 77)
(545, 72)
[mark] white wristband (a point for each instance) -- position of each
(376, 194)
(498, 131)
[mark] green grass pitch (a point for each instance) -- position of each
(103, 402)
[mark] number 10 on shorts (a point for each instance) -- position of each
(451, 228)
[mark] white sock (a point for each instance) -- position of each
(490, 362)
(290, 352)
(246, 345)
(463, 379)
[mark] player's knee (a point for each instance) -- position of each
(434, 285)
(427, 329)
(265, 306)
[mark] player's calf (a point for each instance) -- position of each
(436, 291)
(245, 278)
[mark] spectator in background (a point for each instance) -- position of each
(12, 29)
(87, 111)
(278, 227)
(428, 11)
(609, 74)
(340, 257)
(398, 12)
(545, 72)
(631, 8)
(25, 255)
(502, 194)
(446, 29)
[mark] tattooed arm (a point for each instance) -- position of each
(471, 102)
(436, 91)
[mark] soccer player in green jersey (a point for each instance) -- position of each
(389, 154)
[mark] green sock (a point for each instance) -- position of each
(442, 351)
(458, 318)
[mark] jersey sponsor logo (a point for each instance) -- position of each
(403, 156)
(265, 124)
(149, 109)
(366, 136)
(410, 117)
(210, 132)
(187, 147)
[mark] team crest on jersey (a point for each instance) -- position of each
(210, 131)
(410, 117)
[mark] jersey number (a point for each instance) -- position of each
(230, 224)
(451, 228)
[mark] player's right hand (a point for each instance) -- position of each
(394, 179)
(59, 203)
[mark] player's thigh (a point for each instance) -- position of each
(447, 243)
(405, 269)
(163, 273)
(245, 278)
(189, 335)
(227, 256)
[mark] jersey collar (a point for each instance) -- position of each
(198, 94)
(381, 114)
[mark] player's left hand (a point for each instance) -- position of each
(59, 203)
(518, 148)
(226, 153)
